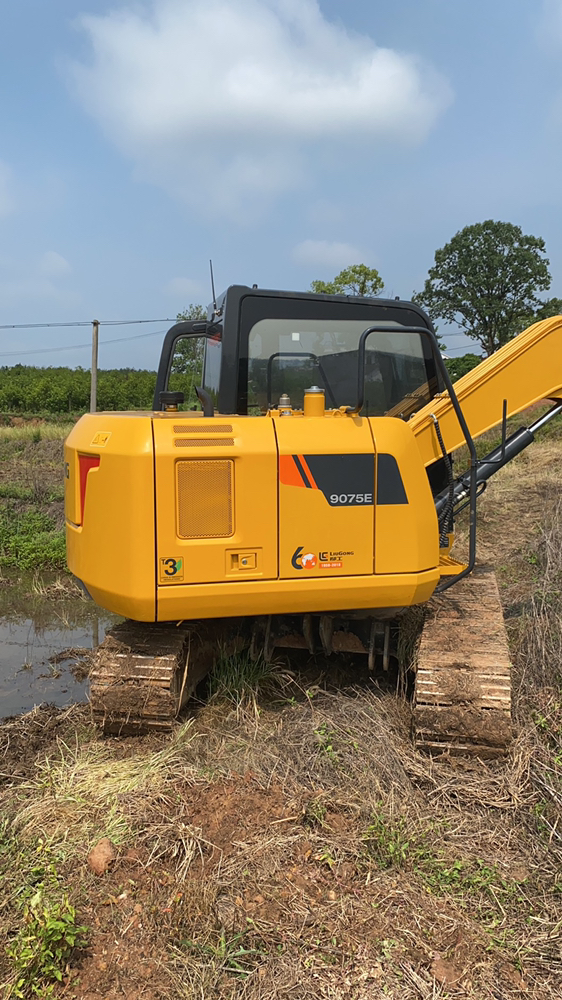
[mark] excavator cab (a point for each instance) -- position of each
(293, 465)
(294, 477)
(258, 345)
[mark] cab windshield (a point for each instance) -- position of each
(289, 355)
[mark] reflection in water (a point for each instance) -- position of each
(33, 629)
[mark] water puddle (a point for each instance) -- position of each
(34, 630)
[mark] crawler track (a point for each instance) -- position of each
(463, 684)
(144, 674)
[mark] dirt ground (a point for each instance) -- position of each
(295, 845)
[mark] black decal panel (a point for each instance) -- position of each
(345, 480)
(390, 488)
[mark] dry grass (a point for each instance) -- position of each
(77, 793)
(311, 853)
(33, 432)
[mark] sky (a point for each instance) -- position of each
(284, 139)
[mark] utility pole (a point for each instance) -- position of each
(94, 373)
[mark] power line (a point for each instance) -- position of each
(82, 322)
(76, 347)
(121, 340)
(465, 348)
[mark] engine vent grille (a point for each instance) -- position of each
(204, 498)
(197, 428)
(202, 442)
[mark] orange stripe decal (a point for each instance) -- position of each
(289, 474)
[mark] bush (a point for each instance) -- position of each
(44, 945)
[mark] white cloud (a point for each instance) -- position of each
(323, 253)
(183, 288)
(54, 265)
(222, 99)
(7, 202)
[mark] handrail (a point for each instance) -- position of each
(425, 332)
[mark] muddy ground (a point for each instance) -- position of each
(292, 843)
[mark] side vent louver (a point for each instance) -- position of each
(198, 428)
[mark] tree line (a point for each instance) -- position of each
(28, 389)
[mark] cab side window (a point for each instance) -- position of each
(186, 370)
(212, 362)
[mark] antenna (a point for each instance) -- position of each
(213, 286)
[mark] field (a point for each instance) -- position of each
(32, 495)
(288, 841)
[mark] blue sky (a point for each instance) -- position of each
(285, 139)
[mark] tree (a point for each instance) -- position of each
(545, 310)
(457, 367)
(188, 352)
(552, 307)
(486, 281)
(194, 311)
(356, 280)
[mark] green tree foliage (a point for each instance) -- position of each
(194, 311)
(457, 367)
(356, 280)
(552, 307)
(487, 280)
(545, 310)
(26, 389)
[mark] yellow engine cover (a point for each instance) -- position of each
(178, 516)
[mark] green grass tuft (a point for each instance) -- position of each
(239, 678)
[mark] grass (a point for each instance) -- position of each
(76, 795)
(260, 864)
(31, 498)
(33, 432)
(30, 540)
(240, 678)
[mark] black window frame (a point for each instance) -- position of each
(244, 307)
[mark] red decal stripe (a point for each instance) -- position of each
(86, 462)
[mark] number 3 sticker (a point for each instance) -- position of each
(171, 570)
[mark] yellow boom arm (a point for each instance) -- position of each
(525, 371)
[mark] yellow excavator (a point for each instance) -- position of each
(307, 500)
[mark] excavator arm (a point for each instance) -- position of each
(527, 370)
(462, 701)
